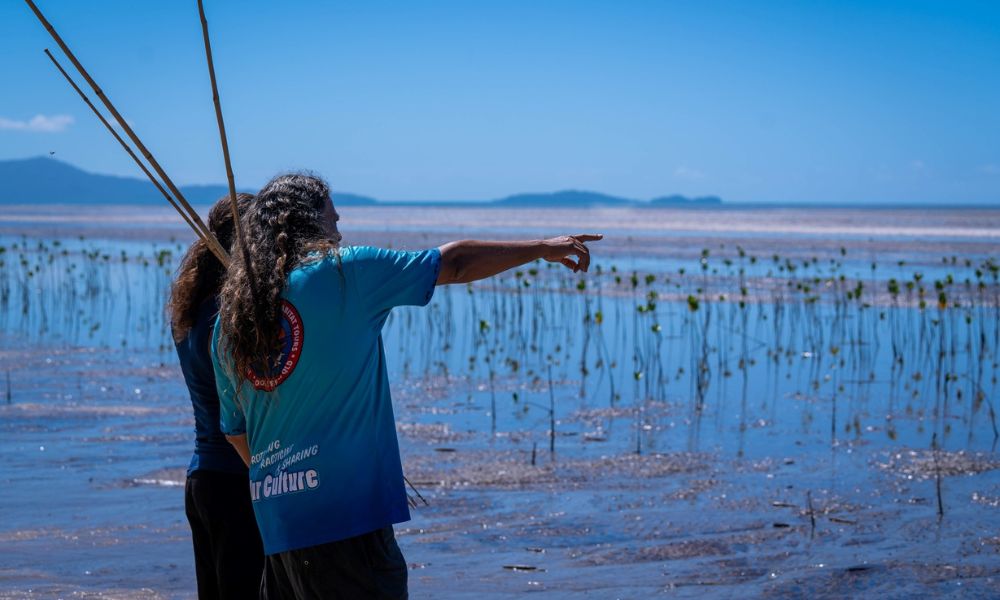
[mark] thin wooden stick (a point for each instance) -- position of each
(213, 243)
(123, 143)
(237, 228)
(417, 492)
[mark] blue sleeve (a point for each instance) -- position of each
(232, 421)
(388, 278)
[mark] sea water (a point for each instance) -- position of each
(732, 403)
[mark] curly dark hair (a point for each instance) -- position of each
(200, 273)
(283, 225)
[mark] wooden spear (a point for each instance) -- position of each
(124, 144)
(213, 243)
(237, 228)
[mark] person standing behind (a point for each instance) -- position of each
(229, 556)
(304, 389)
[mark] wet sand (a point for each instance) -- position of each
(101, 469)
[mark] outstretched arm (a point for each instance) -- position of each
(471, 260)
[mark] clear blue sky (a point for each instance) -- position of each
(843, 101)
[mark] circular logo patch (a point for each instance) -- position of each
(277, 369)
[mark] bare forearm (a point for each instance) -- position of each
(471, 260)
(239, 443)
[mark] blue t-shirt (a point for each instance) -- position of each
(211, 450)
(325, 460)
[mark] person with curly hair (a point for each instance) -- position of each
(304, 389)
(228, 554)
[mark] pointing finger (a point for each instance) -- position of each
(584, 253)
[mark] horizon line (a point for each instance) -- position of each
(688, 202)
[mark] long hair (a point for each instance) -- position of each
(282, 225)
(199, 276)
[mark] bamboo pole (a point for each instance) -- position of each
(213, 243)
(123, 143)
(237, 227)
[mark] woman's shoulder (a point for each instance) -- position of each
(362, 254)
(336, 259)
(319, 262)
(359, 252)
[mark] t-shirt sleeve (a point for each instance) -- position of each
(232, 421)
(388, 278)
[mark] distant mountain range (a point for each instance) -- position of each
(45, 180)
(48, 181)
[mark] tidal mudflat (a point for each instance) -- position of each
(775, 403)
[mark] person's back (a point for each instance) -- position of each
(229, 556)
(326, 397)
(304, 389)
(211, 450)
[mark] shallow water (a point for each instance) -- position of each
(781, 448)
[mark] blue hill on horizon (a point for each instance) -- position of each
(678, 200)
(567, 198)
(43, 180)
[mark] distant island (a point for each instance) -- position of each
(678, 200)
(582, 199)
(45, 180)
(568, 198)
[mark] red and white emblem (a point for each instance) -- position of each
(279, 367)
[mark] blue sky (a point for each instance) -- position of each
(819, 102)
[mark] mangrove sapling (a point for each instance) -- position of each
(743, 366)
(588, 320)
(606, 361)
(935, 449)
(700, 350)
(552, 412)
(484, 328)
(893, 310)
(656, 351)
(812, 514)
(493, 395)
(980, 394)
(637, 359)
(4, 283)
(638, 415)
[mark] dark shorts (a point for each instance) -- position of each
(228, 554)
(370, 565)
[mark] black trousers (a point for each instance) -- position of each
(370, 565)
(228, 554)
